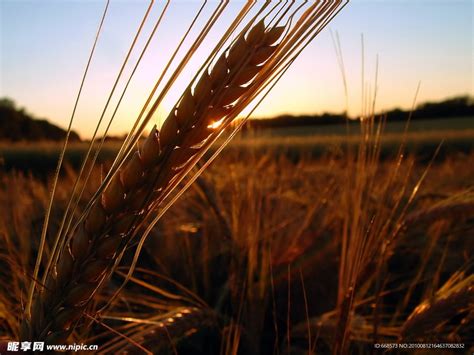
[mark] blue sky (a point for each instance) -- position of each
(45, 45)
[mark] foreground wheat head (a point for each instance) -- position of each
(141, 180)
(455, 298)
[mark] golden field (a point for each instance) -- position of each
(268, 252)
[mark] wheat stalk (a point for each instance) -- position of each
(85, 260)
(142, 178)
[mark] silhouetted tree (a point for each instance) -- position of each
(17, 125)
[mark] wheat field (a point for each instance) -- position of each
(180, 242)
(250, 265)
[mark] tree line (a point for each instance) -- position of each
(462, 106)
(18, 125)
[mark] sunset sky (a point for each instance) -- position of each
(45, 46)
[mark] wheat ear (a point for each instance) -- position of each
(456, 296)
(90, 253)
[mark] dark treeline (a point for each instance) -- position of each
(17, 125)
(456, 107)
